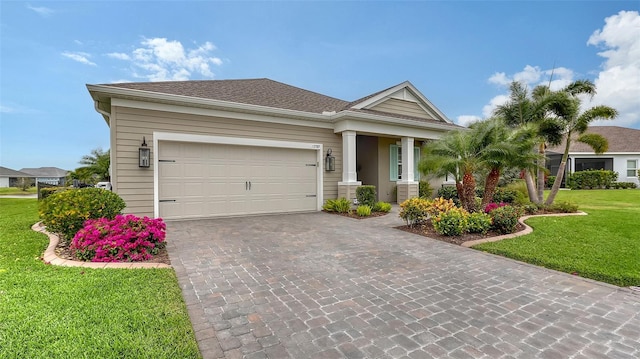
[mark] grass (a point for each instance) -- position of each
(18, 191)
(58, 312)
(605, 245)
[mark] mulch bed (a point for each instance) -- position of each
(63, 251)
(353, 214)
(427, 230)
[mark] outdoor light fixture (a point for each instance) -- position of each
(144, 154)
(329, 161)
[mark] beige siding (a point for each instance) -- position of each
(129, 125)
(401, 107)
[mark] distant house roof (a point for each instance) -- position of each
(8, 172)
(48, 172)
(621, 139)
(269, 93)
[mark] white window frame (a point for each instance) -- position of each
(395, 163)
(632, 170)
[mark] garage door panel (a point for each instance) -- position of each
(208, 180)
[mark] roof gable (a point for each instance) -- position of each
(403, 99)
(52, 172)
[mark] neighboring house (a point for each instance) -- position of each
(237, 147)
(9, 177)
(49, 175)
(623, 155)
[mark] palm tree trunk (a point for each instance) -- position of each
(490, 185)
(541, 170)
(460, 190)
(531, 187)
(469, 192)
(560, 174)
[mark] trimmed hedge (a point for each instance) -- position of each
(65, 212)
(592, 179)
(366, 195)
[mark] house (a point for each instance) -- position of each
(49, 175)
(255, 146)
(622, 156)
(9, 177)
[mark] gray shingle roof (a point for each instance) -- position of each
(53, 172)
(621, 139)
(8, 172)
(261, 92)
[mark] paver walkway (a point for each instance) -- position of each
(322, 286)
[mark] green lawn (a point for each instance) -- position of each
(605, 245)
(18, 191)
(56, 312)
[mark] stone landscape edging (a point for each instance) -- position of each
(50, 256)
(527, 229)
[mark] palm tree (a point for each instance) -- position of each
(504, 148)
(575, 122)
(533, 111)
(96, 165)
(456, 153)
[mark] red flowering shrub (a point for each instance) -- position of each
(491, 206)
(126, 238)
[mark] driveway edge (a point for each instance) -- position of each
(50, 256)
(527, 229)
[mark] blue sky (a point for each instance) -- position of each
(459, 54)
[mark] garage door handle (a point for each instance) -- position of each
(246, 185)
(249, 185)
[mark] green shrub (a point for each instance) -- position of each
(363, 210)
(624, 185)
(478, 222)
(382, 207)
(340, 205)
(504, 219)
(366, 195)
(550, 181)
(451, 223)
(449, 192)
(563, 207)
(414, 210)
(592, 179)
(424, 189)
(505, 195)
(520, 187)
(530, 208)
(64, 212)
(47, 191)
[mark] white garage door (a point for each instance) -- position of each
(207, 180)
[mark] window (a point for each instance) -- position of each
(632, 168)
(395, 163)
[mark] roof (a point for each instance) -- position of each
(621, 139)
(273, 94)
(261, 92)
(53, 172)
(8, 172)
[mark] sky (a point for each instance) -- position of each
(461, 55)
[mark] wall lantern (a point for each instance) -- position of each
(144, 154)
(329, 161)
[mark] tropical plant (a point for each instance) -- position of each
(363, 210)
(95, 169)
(533, 110)
(575, 122)
(414, 210)
(452, 222)
(382, 207)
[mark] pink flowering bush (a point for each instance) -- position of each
(126, 238)
(491, 206)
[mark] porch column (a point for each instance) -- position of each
(347, 188)
(407, 186)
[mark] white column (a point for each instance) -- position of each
(407, 160)
(349, 175)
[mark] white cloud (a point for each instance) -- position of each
(159, 59)
(466, 120)
(487, 110)
(500, 78)
(81, 57)
(618, 82)
(41, 10)
(119, 56)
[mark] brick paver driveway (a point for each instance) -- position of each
(323, 286)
